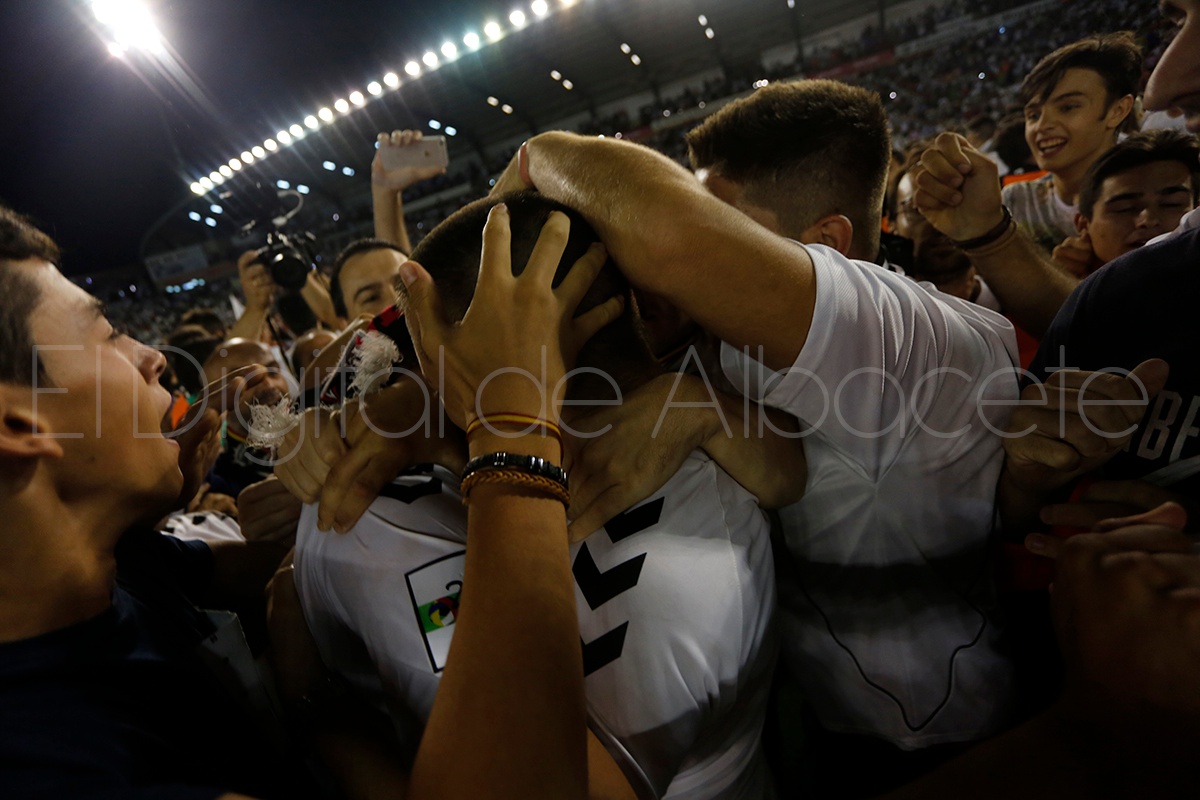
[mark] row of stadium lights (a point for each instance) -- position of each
(449, 51)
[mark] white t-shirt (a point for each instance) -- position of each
(1040, 212)
(885, 610)
(676, 605)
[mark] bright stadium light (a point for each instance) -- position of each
(506, 108)
(449, 50)
(566, 84)
(271, 145)
(258, 151)
(348, 171)
(325, 114)
(297, 132)
(540, 8)
(194, 216)
(197, 188)
(284, 137)
(116, 50)
(492, 31)
(206, 183)
(451, 130)
(216, 209)
(568, 3)
(375, 88)
(225, 170)
(341, 105)
(247, 157)
(392, 80)
(210, 222)
(430, 59)
(636, 59)
(709, 33)
(471, 40)
(493, 101)
(301, 188)
(517, 18)
(556, 75)
(357, 98)
(703, 20)
(283, 184)
(413, 68)
(433, 123)
(329, 165)
(625, 48)
(130, 25)
(217, 178)
(234, 164)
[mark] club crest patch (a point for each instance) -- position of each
(435, 589)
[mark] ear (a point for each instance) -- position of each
(834, 230)
(1081, 223)
(1118, 111)
(22, 433)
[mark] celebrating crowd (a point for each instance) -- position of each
(821, 467)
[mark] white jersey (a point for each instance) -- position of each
(206, 526)
(885, 605)
(675, 599)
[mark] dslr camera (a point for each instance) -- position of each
(289, 259)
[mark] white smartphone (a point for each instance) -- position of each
(430, 151)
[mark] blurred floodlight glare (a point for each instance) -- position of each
(506, 108)
(392, 80)
(234, 164)
(375, 88)
(258, 151)
(271, 145)
(471, 40)
(247, 157)
(357, 98)
(413, 68)
(492, 30)
(325, 114)
(206, 183)
(341, 105)
(197, 188)
(130, 24)
(430, 59)
(284, 137)
(517, 18)
(296, 131)
(540, 8)
(449, 50)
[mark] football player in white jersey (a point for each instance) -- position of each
(675, 596)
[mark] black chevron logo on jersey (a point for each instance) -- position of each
(407, 493)
(600, 587)
(604, 649)
(635, 520)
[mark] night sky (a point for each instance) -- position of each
(88, 143)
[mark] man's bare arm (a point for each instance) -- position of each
(739, 281)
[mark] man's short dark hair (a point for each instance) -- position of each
(451, 252)
(1115, 57)
(19, 296)
(353, 249)
(808, 148)
(197, 344)
(206, 318)
(1137, 150)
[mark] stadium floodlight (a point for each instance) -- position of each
(430, 59)
(703, 20)
(297, 132)
(225, 170)
(540, 8)
(449, 50)
(433, 123)
(325, 114)
(348, 171)
(329, 165)
(566, 84)
(636, 59)
(271, 145)
(568, 3)
(116, 50)
(283, 184)
(506, 108)
(311, 122)
(130, 24)
(216, 209)
(301, 188)
(451, 130)
(258, 151)
(284, 137)
(413, 68)
(709, 33)
(194, 216)
(556, 75)
(375, 88)
(206, 183)
(234, 164)
(493, 101)
(247, 157)
(492, 30)
(471, 40)
(517, 18)
(217, 178)
(625, 48)
(197, 188)
(357, 98)
(392, 80)
(210, 222)
(341, 105)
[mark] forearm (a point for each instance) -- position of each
(389, 217)
(735, 278)
(1030, 287)
(763, 454)
(525, 680)
(249, 325)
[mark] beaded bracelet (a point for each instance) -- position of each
(515, 477)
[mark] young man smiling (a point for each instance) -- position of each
(1077, 100)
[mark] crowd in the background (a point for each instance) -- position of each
(842, 444)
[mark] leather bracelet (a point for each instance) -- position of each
(530, 465)
(512, 477)
(992, 235)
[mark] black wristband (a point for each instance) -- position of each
(533, 465)
(989, 237)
